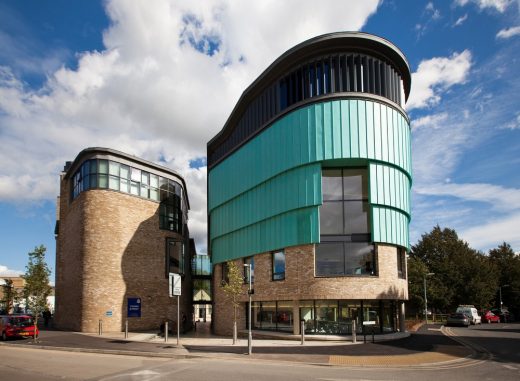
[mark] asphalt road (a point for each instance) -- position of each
(499, 347)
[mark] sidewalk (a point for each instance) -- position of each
(426, 347)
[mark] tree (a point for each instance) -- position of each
(462, 274)
(10, 295)
(508, 264)
(232, 287)
(36, 288)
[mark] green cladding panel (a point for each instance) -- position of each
(258, 193)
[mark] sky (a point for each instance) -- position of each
(159, 79)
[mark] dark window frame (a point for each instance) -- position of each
(278, 276)
(345, 238)
(249, 260)
(401, 263)
(168, 257)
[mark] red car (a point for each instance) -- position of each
(490, 317)
(17, 326)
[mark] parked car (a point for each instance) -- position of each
(490, 317)
(458, 319)
(505, 315)
(471, 312)
(17, 326)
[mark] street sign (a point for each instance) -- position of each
(175, 284)
(134, 307)
(108, 313)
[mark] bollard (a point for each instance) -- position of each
(354, 337)
(373, 329)
(302, 330)
(166, 332)
(100, 327)
(126, 329)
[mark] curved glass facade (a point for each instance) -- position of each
(110, 174)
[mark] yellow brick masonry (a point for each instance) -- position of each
(301, 284)
(110, 248)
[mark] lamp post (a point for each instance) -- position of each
(249, 291)
(500, 292)
(426, 298)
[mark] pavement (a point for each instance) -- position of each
(430, 345)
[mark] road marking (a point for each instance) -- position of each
(144, 373)
(434, 329)
(510, 367)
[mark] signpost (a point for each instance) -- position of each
(175, 290)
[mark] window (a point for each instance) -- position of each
(225, 273)
(401, 263)
(174, 256)
(170, 213)
(345, 247)
(278, 258)
(103, 174)
(249, 261)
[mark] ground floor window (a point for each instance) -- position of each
(273, 316)
(327, 317)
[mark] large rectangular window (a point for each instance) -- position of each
(174, 256)
(250, 261)
(401, 263)
(278, 258)
(345, 247)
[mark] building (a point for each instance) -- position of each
(19, 303)
(309, 182)
(121, 229)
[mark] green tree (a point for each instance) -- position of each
(36, 288)
(416, 271)
(462, 274)
(508, 265)
(10, 295)
(232, 287)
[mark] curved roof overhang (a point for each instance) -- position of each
(321, 45)
(93, 151)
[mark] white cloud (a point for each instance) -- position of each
(499, 198)
(514, 124)
(7, 272)
(492, 232)
(163, 86)
(435, 76)
(433, 121)
(461, 20)
(435, 13)
(498, 5)
(509, 32)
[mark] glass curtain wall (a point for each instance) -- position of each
(345, 248)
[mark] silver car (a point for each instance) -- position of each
(458, 319)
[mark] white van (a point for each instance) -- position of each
(471, 312)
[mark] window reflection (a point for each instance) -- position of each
(109, 174)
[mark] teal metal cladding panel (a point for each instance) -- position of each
(390, 226)
(321, 131)
(287, 229)
(294, 189)
(389, 186)
(241, 214)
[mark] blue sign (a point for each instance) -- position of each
(108, 313)
(134, 307)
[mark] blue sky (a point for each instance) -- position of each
(158, 80)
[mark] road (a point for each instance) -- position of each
(498, 344)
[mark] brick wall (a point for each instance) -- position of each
(110, 248)
(300, 284)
